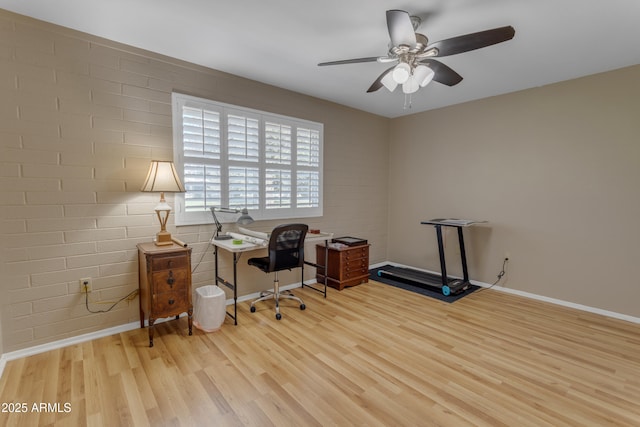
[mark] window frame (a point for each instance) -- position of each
(183, 217)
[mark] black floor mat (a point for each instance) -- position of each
(417, 288)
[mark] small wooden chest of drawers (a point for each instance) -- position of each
(165, 283)
(347, 266)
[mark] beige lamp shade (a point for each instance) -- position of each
(162, 178)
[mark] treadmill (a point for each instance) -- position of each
(447, 285)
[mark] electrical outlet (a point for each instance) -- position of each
(85, 284)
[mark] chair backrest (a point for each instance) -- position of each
(286, 246)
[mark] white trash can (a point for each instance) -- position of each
(209, 309)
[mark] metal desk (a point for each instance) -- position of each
(238, 249)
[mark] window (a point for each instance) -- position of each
(236, 157)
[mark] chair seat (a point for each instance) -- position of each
(262, 263)
(285, 261)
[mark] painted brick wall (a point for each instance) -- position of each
(80, 119)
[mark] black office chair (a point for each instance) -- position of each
(286, 251)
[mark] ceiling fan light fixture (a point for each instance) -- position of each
(388, 82)
(410, 86)
(423, 75)
(401, 73)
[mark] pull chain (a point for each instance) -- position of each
(407, 101)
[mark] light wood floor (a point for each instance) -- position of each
(370, 355)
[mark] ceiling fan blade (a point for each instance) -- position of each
(442, 73)
(400, 28)
(473, 41)
(378, 83)
(350, 61)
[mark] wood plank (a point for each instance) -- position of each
(368, 355)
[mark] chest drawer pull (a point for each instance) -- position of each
(171, 280)
(172, 301)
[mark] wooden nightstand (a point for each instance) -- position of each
(165, 283)
(348, 265)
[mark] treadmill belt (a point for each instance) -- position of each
(422, 279)
(413, 275)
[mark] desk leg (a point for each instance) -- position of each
(324, 267)
(231, 286)
(235, 289)
(215, 263)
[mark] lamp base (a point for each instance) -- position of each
(163, 238)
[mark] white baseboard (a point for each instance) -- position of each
(382, 264)
(563, 303)
(30, 351)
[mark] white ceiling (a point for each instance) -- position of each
(280, 42)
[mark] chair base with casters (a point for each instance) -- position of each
(276, 295)
(286, 251)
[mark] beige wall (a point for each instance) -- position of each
(80, 119)
(555, 170)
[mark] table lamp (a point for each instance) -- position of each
(243, 219)
(162, 177)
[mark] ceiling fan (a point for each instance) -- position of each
(413, 55)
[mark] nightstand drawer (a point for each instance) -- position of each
(170, 303)
(169, 262)
(169, 280)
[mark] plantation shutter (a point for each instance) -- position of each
(201, 149)
(240, 158)
(308, 177)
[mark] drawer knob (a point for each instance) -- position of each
(171, 280)
(171, 301)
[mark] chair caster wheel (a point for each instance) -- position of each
(302, 306)
(253, 309)
(278, 316)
